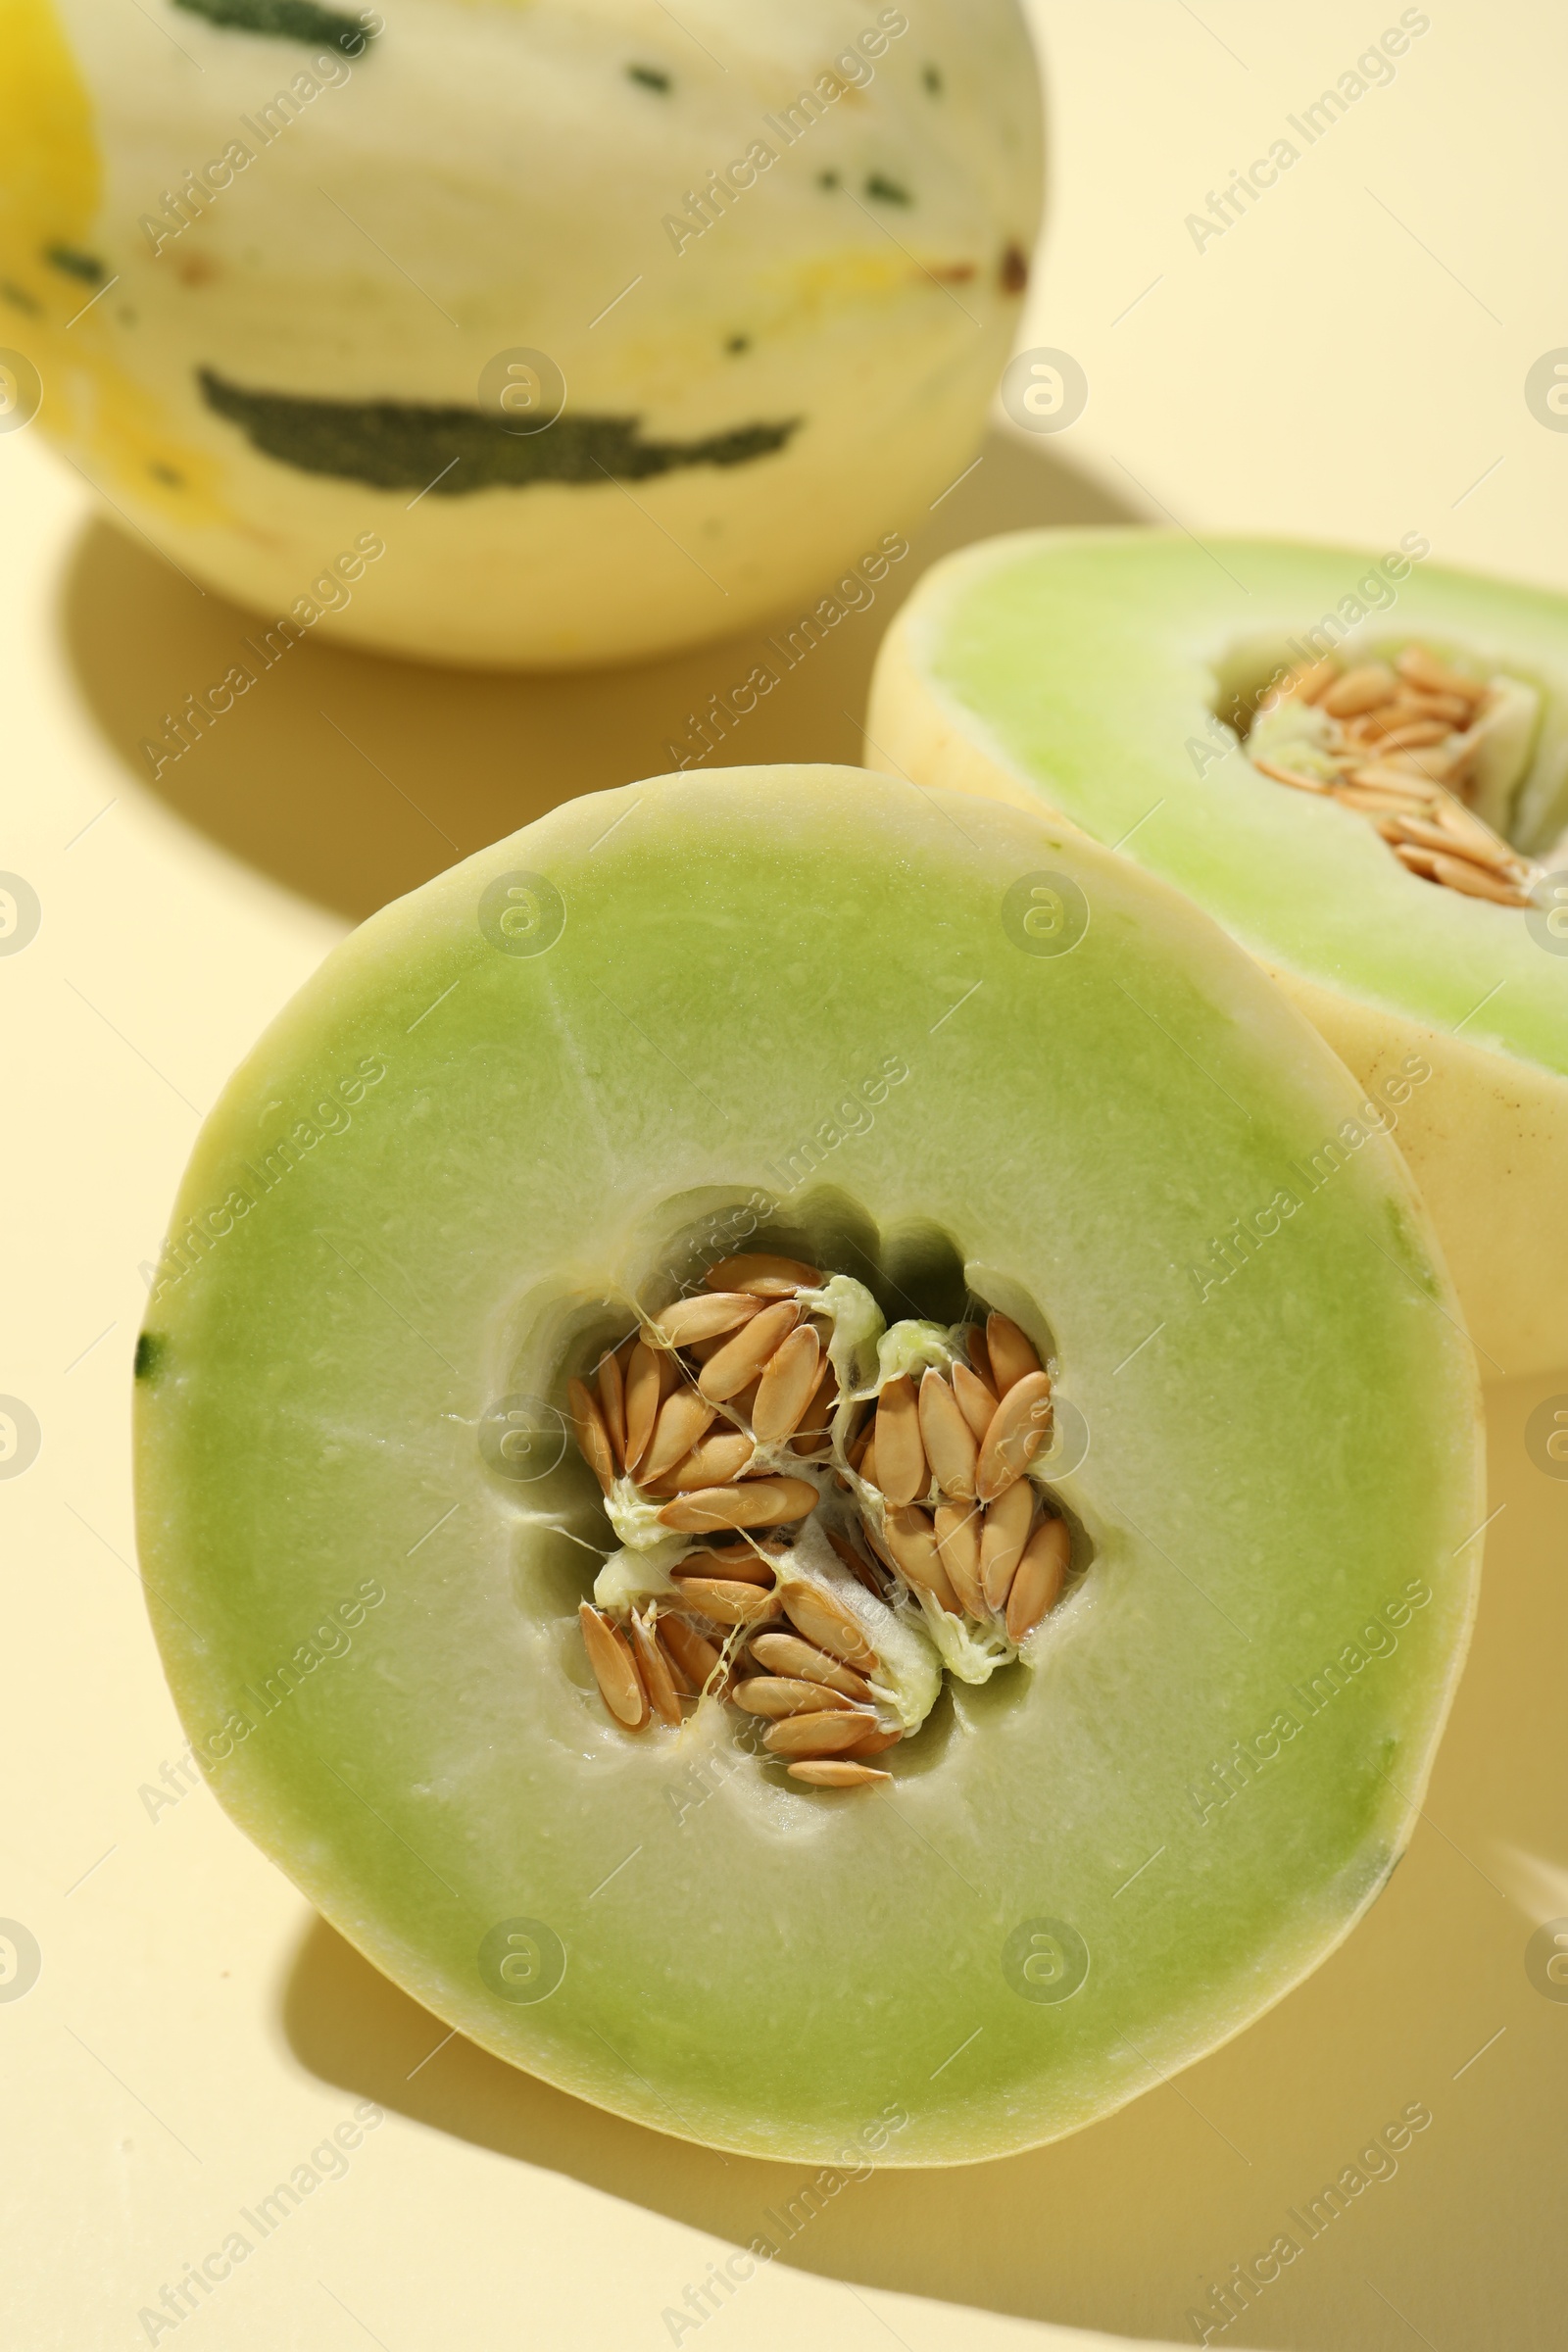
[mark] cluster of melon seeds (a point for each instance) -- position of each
(1401, 744)
(721, 1432)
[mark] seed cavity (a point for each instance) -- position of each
(1431, 758)
(818, 1514)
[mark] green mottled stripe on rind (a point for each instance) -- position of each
(85, 266)
(409, 445)
(285, 21)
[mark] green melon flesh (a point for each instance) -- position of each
(1084, 671)
(494, 1154)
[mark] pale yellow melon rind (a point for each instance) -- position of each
(479, 181)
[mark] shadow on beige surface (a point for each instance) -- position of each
(351, 780)
(1128, 2226)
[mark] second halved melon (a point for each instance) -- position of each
(1360, 767)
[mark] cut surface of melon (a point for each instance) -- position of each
(1090, 674)
(949, 1051)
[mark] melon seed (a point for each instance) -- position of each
(900, 1464)
(706, 1316)
(825, 1774)
(787, 1654)
(650, 1377)
(1038, 1577)
(682, 1419)
(693, 1653)
(730, 1603)
(1011, 1356)
(823, 1619)
(1019, 1428)
(614, 1669)
(765, 1277)
(1001, 1540)
(759, 1502)
(977, 1401)
(654, 1668)
(591, 1434)
(958, 1533)
(1359, 689)
(788, 1384)
(742, 1358)
(817, 1419)
(951, 1446)
(782, 1694)
(612, 1386)
(912, 1541)
(712, 1462)
(820, 1734)
(736, 1561)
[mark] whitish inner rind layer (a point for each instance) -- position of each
(1272, 1467)
(1092, 664)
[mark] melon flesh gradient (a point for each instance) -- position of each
(1081, 670)
(1282, 1465)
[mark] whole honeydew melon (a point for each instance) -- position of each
(1110, 678)
(669, 1033)
(273, 262)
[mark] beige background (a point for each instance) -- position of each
(1349, 359)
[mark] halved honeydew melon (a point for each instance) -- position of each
(818, 1015)
(1110, 677)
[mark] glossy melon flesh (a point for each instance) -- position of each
(1083, 671)
(953, 1051)
(308, 342)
